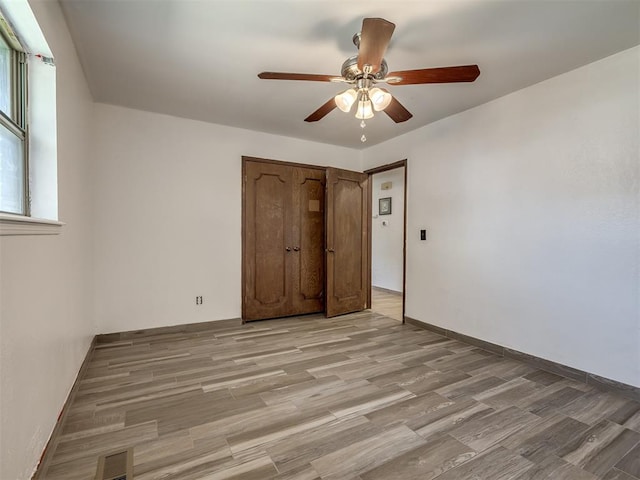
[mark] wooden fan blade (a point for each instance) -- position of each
(320, 113)
(298, 76)
(464, 73)
(374, 39)
(397, 112)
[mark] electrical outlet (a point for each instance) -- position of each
(199, 300)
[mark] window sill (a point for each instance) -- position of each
(19, 225)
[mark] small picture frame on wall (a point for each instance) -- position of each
(384, 206)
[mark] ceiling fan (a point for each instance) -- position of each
(368, 68)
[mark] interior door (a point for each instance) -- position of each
(267, 240)
(347, 212)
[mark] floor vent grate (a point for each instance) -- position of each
(116, 466)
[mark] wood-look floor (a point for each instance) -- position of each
(360, 396)
(385, 302)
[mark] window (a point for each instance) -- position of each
(13, 125)
(28, 138)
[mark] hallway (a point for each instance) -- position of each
(386, 302)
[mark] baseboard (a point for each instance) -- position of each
(56, 432)
(388, 290)
(628, 391)
(184, 328)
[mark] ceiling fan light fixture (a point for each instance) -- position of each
(346, 99)
(364, 70)
(380, 98)
(365, 109)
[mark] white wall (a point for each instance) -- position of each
(532, 208)
(168, 214)
(387, 240)
(46, 281)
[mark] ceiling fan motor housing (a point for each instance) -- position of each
(351, 72)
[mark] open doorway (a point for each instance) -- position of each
(387, 227)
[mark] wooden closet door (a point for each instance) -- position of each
(267, 240)
(347, 241)
(285, 269)
(308, 250)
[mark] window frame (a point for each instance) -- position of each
(17, 123)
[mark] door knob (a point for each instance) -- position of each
(296, 249)
(288, 249)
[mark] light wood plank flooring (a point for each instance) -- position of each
(385, 302)
(355, 397)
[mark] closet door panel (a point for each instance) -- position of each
(268, 216)
(347, 241)
(308, 295)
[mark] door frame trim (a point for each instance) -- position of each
(371, 172)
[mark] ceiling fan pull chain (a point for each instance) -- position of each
(363, 124)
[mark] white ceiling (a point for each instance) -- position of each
(200, 59)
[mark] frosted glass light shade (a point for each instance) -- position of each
(364, 110)
(346, 99)
(379, 98)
